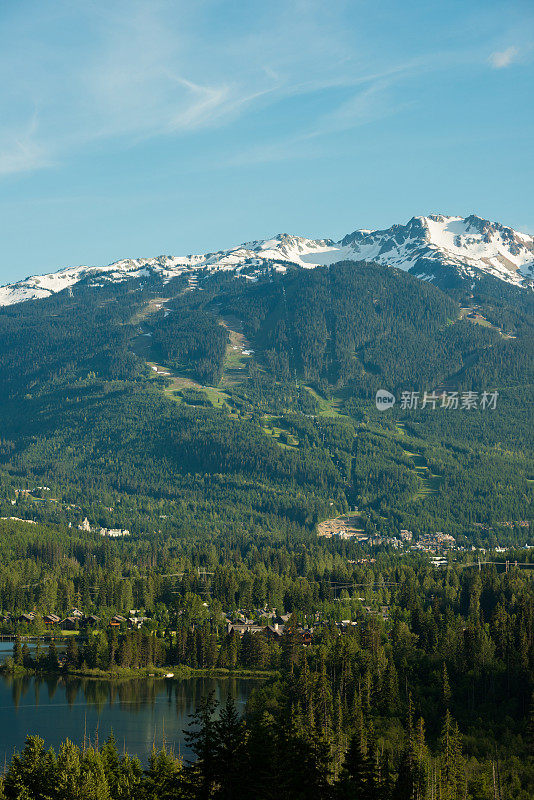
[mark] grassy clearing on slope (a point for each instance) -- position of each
(326, 408)
(281, 435)
(430, 482)
(238, 352)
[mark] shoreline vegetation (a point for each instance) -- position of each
(179, 672)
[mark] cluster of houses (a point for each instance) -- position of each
(114, 533)
(77, 620)
(269, 623)
(134, 621)
(519, 523)
(279, 626)
(432, 543)
(435, 542)
(275, 631)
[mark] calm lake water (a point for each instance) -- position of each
(138, 712)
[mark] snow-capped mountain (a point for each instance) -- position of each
(471, 246)
(436, 248)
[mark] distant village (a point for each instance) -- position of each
(348, 526)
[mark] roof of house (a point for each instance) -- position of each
(244, 627)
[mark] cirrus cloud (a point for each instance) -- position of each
(503, 58)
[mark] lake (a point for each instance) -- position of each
(6, 648)
(139, 712)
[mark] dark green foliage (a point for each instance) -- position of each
(354, 322)
(457, 651)
(81, 414)
(192, 341)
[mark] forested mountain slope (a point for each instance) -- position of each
(249, 405)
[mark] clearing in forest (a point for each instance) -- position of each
(238, 352)
(347, 526)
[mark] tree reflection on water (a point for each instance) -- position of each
(139, 711)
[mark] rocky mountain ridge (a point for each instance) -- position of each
(442, 249)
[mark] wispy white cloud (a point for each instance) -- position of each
(134, 76)
(363, 108)
(138, 69)
(22, 156)
(20, 149)
(371, 99)
(503, 58)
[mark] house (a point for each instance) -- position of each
(51, 619)
(75, 612)
(137, 622)
(306, 637)
(274, 632)
(117, 621)
(243, 627)
(69, 624)
(26, 618)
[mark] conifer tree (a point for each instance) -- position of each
(339, 742)
(163, 779)
(17, 652)
(202, 740)
(355, 774)
(445, 688)
(52, 662)
(27, 659)
(373, 766)
(123, 773)
(264, 757)
(230, 755)
(452, 767)
(31, 773)
(530, 726)
(406, 778)
(420, 761)
(72, 653)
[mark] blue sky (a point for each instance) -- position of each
(139, 128)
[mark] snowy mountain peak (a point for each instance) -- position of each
(437, 248)
(471, 246)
